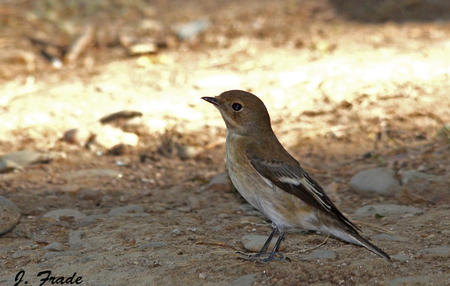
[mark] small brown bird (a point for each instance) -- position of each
(272, 181)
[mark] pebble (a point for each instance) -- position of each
(9, 215)
(254, 242)
(387, 210)
(91, 219)
(401, 257)
(191, 29)
(75, 239)
(109, 136)
(77, 136)
(57, 214)
(92, 173)
(378, 180)
(54, 246)
(127, 210)
(185, 152)
(246, 280)
(441, 251)
(320, 254)
(23, 158)
(220, 183)
(411, 175)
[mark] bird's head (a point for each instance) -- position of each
(243, 112)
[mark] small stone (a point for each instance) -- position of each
(378, 180)
(93, 173)
(202, 275)
(109, 136)
(387, 210)
(9, 215)
(60, 213)
(54, 246)
(185, 152)
(191, 29)
(320, 254)
(220, 183)
(142, 48)
(120, 116)
(75, 239)
(411, 175)
(246, 280)
(254, 242)
(77, 136)
(126, 210)
(441, 251)
(21, 159)
(91, 219)
(401, 257)
(176, 231)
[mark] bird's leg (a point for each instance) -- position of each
(275, 249)
(265, 246)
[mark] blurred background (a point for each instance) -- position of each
(100, 107)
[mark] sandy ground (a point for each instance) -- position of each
(344, 96)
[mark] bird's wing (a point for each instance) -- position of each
(296, 181)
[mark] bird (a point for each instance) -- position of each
(273, 181)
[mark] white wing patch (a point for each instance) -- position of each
(316, 193)
(290, 180)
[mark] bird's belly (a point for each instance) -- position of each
(283, 209)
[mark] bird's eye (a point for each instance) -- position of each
(236, 106)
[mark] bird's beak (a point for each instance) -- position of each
(212, 100)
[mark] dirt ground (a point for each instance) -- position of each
(348, 89)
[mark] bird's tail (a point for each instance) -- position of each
(370, 246)
(355, 238)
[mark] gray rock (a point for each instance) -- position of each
(126, 210)
(9, 215)
(441, 251)
(27, 157)
(93, 173)
(254, 242)
(54, 246)
(378, 180)
(191, 29)
(246, 280)
(91, 219)
(320, 254)
(411, 175)
(387, 210)
(401, 257)
(385, 236)
(59, 213)
(75, 239)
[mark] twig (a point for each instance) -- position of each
(80, 44)
(311, 248)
